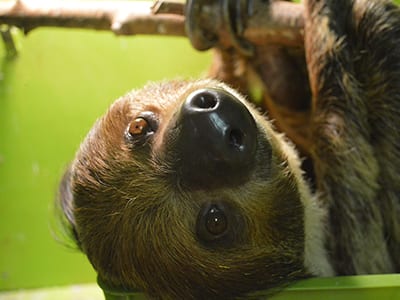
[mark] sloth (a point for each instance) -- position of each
(184, 190)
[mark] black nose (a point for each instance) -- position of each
(217, 141)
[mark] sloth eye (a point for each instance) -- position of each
(216, 222)
(218, 225)
(143, 126)
(145, 123)
(139, 126)
(221, 224)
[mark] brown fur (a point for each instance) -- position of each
(137, 224)
(136, 221)
(354, 75)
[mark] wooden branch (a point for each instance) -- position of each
(278, 22)
(121, 17)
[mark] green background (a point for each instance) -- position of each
(50, 96)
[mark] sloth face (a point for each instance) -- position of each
(183, 190)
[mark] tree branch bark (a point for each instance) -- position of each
(121, 17)
(278, 22)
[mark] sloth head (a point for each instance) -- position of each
(183, 190)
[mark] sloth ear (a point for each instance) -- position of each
(64, 210)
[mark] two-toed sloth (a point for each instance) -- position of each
(183, 190)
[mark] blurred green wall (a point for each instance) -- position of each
(50, 95)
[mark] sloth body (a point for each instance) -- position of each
(184, 190)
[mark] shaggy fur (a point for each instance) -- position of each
(132, 214)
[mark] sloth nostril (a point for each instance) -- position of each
(204, 100)
(236, 137)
